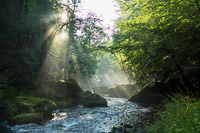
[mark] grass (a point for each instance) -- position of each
(180, 115)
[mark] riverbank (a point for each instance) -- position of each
(138, 124)
(180, 114)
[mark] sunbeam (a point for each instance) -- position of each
(64, 17)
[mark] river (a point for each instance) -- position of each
(88, 120)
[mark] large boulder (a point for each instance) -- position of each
(88, 99)
(28, 109)
(65, 89)
(35, 105)
(63, 93)
(152, 94)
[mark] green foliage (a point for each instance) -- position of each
(87, 37)
(21, 24)
(157, 39)
(181, 115)
(29, 57)
(28, 30)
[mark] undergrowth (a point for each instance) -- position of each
(180, 115)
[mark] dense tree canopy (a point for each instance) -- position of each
(159, 40)
(154, 40)
(29, 30)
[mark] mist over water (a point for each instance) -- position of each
(108, 74)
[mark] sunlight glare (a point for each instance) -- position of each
(106, 9)
(64, 2)
(63, 17)
(59, 40)
(50, 32)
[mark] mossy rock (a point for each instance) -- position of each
(27, 118)
(152, 94)
(38, 105)
(88, 99)
(50, 93)
(29, 105)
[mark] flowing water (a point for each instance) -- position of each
(87, 120)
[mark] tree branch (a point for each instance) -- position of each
(197, 5)
(64, 24)
(50, 53)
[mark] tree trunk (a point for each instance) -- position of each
(26, 33)
(19, 22)
(70, 43)
(186, 81)
(197, 3)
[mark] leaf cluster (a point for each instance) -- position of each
(158, 39)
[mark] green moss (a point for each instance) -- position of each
(27, 118)
(89, 99)
(28, 105)
(182, 115)
(36, 105)
(18, 102)
(34, 101)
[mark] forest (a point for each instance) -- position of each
(62, 70)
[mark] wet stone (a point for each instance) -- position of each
(83, 120)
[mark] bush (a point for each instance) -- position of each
(181, 115)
